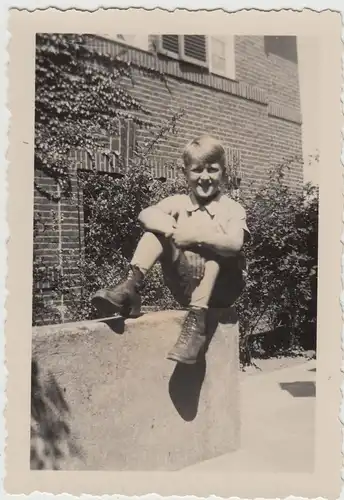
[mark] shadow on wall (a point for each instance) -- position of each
(187, 380)
(185, 388)
(299, 389)
(51, 438)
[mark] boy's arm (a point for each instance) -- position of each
(232, 236)
(226, 244)
(159, 218)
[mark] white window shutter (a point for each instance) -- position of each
(218, 55)
(222, 56)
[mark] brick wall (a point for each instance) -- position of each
(258, 114)
(57, 223)
(257, 65)
(236, 121)
(253, 113)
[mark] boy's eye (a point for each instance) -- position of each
(198, 169)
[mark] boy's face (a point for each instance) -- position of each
(204, 179)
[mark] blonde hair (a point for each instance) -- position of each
(205, 149)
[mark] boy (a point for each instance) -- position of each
(198, 240)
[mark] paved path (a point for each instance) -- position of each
(278, 413)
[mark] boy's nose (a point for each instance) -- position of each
(204, 176)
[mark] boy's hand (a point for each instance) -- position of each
(171, 230)
(186, 235)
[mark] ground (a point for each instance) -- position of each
(276, 363)
(278, 414)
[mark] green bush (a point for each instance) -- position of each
(79, 94)
(282, 253)
(282, 260)
(111, 234)
(281, 289)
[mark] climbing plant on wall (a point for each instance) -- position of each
(79, 96)
(82, 95)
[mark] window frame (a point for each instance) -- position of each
(230, 68)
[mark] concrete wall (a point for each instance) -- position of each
(106, 398)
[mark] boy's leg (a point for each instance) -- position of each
(125, 297)
(193, 334)
(201, 295)
(149, 249)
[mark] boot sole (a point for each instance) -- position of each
(106, 307)
(179, 359)
(187, 361)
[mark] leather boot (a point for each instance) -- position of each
(191, 339)
(124, 299)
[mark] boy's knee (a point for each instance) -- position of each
(168, 248)
(159, 236)
(211, 271)
(212, 264)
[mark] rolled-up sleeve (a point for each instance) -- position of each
(170, 205)
(242, 219)
(236, 219)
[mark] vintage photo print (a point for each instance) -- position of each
(173, 319)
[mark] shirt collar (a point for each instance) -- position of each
(211, 208)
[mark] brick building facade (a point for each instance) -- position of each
(242, 89)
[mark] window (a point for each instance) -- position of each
(213, 52)
(134, 41)
(282, 46)
(190, 48)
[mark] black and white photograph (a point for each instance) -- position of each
(175, 251)
(170, 186)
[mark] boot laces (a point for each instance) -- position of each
(190, 323)
(135, 276)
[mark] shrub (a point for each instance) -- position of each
(111, 235)
(79, 95)
(282, 266)
(281, 288)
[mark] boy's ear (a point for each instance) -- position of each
(182, 168)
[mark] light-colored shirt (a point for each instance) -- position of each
(218, 215)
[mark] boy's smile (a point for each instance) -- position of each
(204, 179)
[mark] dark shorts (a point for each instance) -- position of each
(181, 279)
